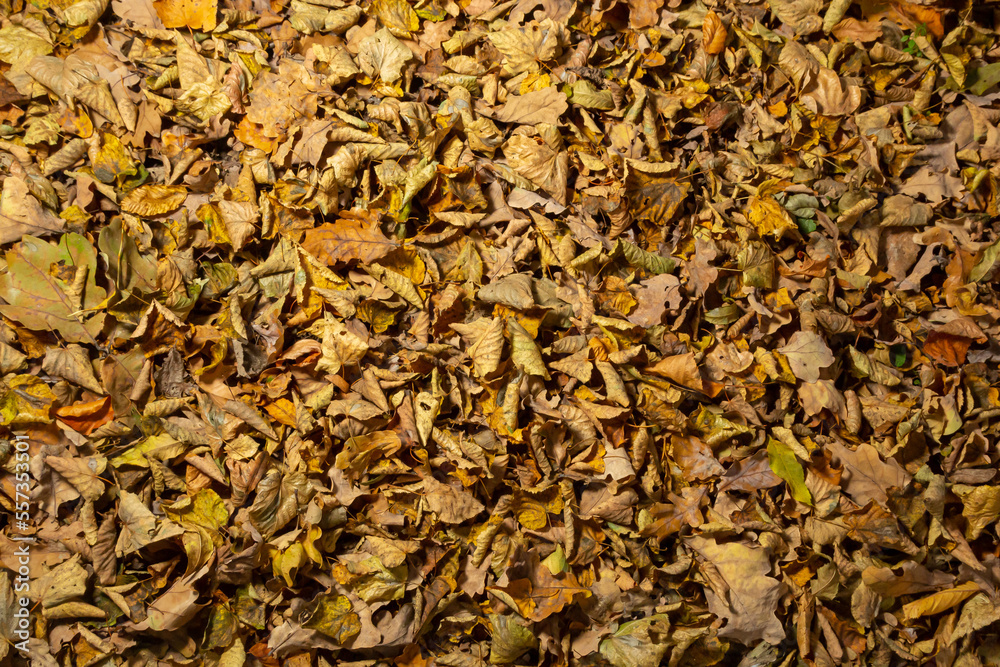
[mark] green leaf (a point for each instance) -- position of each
(724, 315)
(335, 617)
(128, 268)
(986, 263)
(512, 637)
(983, 78)
(54, 287)
(806, 226)
(380, 583)
(641, 643)
(898, 353)
(585, 95)
(222, 626)
(782, 460)
(643, 259)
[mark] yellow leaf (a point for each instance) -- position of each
(287, 563)
(376, 314)
(484, 339)
(19, 46)
(397, 16)
(283, 411)
(525, 48)
(407, 262)
(151, 200)
(84, 473)
(204, 510)
(981, 507)
(111, 160)
(769, 217)
(398, 283)
(936, 603)
(204, 100)
(195, 14)
(530, 512)
(383, 56)
(713, 34)
(234, 656)
(335, 617)
(524, 352)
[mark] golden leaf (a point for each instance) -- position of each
(397, 16)
(195, 14)
(524, 351)
(484, 338)
(151, 200)
(769, 217)
(383, 56)
(713, 34)
(346, 240)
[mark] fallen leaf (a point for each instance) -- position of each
(539, 106)
(21, 214)
(346, 240)
(751, 597)
(807, 353)
(194, 14)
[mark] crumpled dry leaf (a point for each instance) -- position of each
(21, 213)
(741, 591)
(421, 332)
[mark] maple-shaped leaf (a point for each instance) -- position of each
(525, 49)
(346, 240)
(541, 593)
(383, 56)
(867, 476)
(875, 526)
(684, 509)
(653, 195)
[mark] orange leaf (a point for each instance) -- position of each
(541, 593)
(713, 34)
(252, 134)
(681, 368)
(946, 349)
(87, 417)
(345, 240)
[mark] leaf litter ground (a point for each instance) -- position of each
(539, 333)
